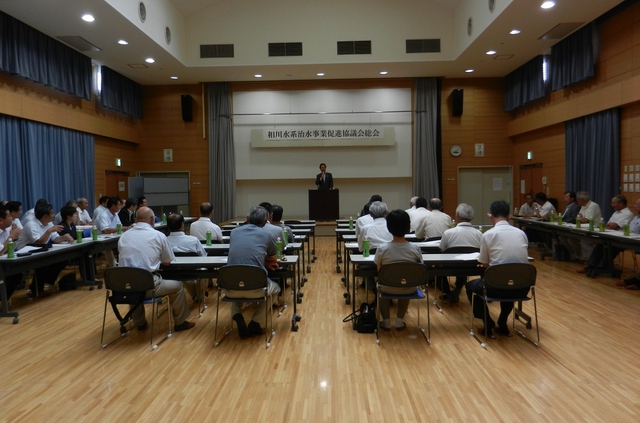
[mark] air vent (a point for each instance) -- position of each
(561, 30)
(210, 51)
(142, 12)
(78, 43)
(423, 46)
(354, 47)
(285, 49)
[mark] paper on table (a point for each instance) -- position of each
(468, 257)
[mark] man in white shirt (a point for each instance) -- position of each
(101, 207)
(107, 223)
(588, 211)
(412, 204)
(462, 235)
(184, 244)
(621, 216)
(84, 218)
(31, 213)
(376, 232)
(528, 208)
(200, 227)
(543, 208)
(364, 219)
(433, 225)
(416, 215)
(15, 209)
(8, 231)
(41, 230)
(146, 248)
(501, 244)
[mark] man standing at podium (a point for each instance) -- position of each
(324, 179)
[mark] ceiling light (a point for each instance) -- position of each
(548, 4)
(383, 72)
(469, 70)
(257, 75)
(123, 42)
(320, 74)
(490, 52)
(514, 32)
(150, 60)
(174, 77)
(88, 18)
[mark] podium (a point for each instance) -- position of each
(324, 204)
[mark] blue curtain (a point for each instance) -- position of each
(573, 59)
(524, 84)
(121, 94)
(44, 161)
(33, 55)
(592, 148)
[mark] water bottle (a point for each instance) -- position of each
(365, 248)
(480, 228)
(79, 236)
(208, 238)
(625, 229)
(350, 223)
(453, 223)
(515, 211)
(578, 223)
(11, 249)
(601, 224)
(559, 219)
(279, 245)
(285, 237)
(164, 218)
(94, 233)
(591, 225)
(119, 229)
(553, 217)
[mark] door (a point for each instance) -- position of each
(480, 186)
(116, 183)
(530, 181)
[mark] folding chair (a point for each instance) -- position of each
(499, 280)
(134, 287)
(236, 280)
(404, 275)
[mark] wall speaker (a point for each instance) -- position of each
(187, 107)
(457, 100)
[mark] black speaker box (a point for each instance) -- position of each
(187, 107)
(457, 99)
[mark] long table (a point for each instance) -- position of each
(207, 267)
(608, 239)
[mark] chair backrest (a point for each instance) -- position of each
(406, 274)
(461, 250)
(241, 277)
(510, 276)
(292, 221)
(128, 279)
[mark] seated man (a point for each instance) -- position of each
(276, 220)
(15, 209)
(621, 217)
(416, 215)
(107, 223)
(433, 225)
(101, 207)
(376, 232)
(40, 230)
(31, 213)
(182, 243)
(543, 208)
(126, 212)
(363, 220)
(146, 248)
(8, 232)
(634, 227)
(501, 244)
(581, 250)
(251, 244)
(528, 208)
(412, 203)
(571, 208)
(398, 250)
(462, 235)
(200, 227)
(84, 218)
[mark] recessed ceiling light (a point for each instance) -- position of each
(320, 74)
(469, 70)
(548, 4)
(150, 60)
(174, 77)
(257, 75)
(88, 18)
(490, 52)
(514, 32)
(123, 42)
(383, 72)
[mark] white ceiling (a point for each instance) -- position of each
(251, 24)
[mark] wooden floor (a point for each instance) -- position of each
(587, 369)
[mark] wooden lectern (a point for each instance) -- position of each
(324, 204)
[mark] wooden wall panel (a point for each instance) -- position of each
(483, 121)
(106, 152)
(163, 128)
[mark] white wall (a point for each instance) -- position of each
(284, 175)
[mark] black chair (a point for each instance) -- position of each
(499, 280)
(133, 287)
(236, 279)
(201, 284)
(404, 275)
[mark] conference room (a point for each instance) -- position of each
(242, 102)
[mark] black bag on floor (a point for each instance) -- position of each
(365, 318)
